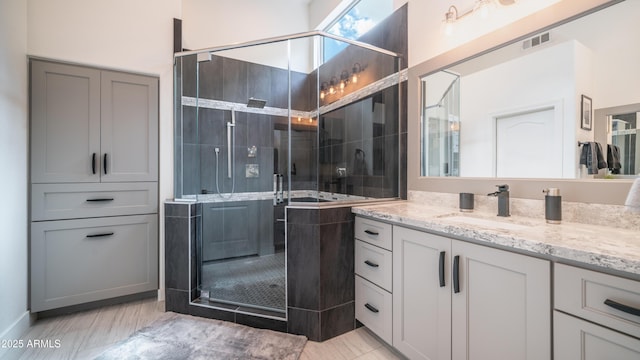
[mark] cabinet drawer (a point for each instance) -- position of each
(374, 264)
(583, 293)
(373, 232)
(77, 261)
(73, 201)
(373, 308)
(579, 339)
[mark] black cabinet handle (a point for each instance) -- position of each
(371, 232)
(99, 200)
(93, 163)
(441, 269)
(371, 308)
(622, 307)
(456, 274)
(371, 264)
(100, 235)
(104, 164)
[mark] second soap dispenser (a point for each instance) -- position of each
(552, 205)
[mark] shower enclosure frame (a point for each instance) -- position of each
(310, 34)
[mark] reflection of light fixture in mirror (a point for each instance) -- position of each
(455, 126)
(332, 85)
(356, 69)
(323, 90)
(633, 198)
(299, 119)
(310, 120)
(344, 80)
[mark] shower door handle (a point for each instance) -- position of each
(275, 189)
(281, 190)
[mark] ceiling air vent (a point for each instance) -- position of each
(536, 40)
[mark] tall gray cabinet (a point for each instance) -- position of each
(94, 184)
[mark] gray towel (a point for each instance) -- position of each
(592, 157)
(613, 159)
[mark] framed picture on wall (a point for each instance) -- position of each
(586, 113)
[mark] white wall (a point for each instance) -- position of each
(130, 35)
(14, 318)
(613, 34)
(211, 23)
(550, 78)
(426, 28)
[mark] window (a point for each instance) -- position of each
(355, 22)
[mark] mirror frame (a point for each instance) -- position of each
(599, 191)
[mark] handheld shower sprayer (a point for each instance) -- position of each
(230, 126)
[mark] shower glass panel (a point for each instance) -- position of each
(441, 125)
(266, 125)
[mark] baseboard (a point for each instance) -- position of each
(15, 332)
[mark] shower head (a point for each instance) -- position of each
(256, 103)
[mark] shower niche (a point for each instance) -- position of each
(270, 142)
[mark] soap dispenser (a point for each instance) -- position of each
(552, 205)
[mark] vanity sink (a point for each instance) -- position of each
(485, 223)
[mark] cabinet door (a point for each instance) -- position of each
(65, 123)
(582, 340)
(421, 307)
(503, 307)
(77, 261)
(129, 127)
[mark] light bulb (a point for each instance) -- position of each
(448, 29)
(354, 78)
(322, 94)
(332, 90)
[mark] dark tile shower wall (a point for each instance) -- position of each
(363, 139)
(182, 231)
(320, 266)
(204, 129)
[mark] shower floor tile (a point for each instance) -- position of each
(257, 281)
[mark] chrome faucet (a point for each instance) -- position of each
(503, 199)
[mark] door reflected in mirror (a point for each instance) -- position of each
(515, 112)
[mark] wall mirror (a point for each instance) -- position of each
(519, 111)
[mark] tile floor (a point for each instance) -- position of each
(86, 334)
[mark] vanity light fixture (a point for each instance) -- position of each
(323, 90)
(344, 80)
(357, 68)
(483, 7)
(332, 85)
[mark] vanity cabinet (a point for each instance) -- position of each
(456, 300)
(373, 275)
(597, 316)
(94, 189)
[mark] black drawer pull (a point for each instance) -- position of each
(441, 269)
(100, 200)
(622, 307)
(104, 164)
(456, 274)
(371, 308)
(372, 264)
(93, 163)
(371, 232)
(100, 235)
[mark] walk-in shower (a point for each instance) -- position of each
(266, 125)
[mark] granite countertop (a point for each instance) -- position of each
(601, 246)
